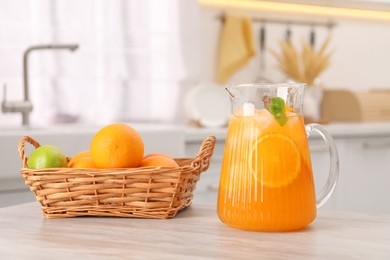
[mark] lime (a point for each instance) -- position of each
(47, 156)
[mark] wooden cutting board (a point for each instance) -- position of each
(349, 106)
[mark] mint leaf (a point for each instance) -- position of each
(278, 110)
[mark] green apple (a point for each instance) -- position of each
(47, 156)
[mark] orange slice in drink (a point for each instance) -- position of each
(275, 160)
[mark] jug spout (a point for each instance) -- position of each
(230, 93)
(248, 108)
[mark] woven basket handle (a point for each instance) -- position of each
(21, 145)
(202, 160)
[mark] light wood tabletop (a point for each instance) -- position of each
(194, 233)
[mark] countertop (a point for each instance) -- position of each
(194, 233)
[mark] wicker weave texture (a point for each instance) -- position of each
(145, 192)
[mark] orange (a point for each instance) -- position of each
(117, 146)
(80, 155)
(158, 160)
(153, 154)
(275, 160)
(83, 163)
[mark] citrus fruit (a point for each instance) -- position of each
(275, 160)
(158, 160)
(83, 163)
(80, 155)
(117, 146)
(154, 154)
(47, 156)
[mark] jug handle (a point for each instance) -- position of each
(331, 182)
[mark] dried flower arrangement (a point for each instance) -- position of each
(304, 66)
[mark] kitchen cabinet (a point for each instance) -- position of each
(366, 175)
(13, 191)
(207, 187)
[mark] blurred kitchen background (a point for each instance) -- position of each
(136, 60)
(160, 64)
(132, 61)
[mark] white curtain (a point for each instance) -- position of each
(135, 58)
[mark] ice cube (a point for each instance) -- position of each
(248, 109)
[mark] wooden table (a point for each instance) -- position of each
(194, 233)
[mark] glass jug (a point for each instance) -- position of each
(266, 181)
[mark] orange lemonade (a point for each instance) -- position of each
(266, 178)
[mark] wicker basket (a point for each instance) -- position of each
(145, 192)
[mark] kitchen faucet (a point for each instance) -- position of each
(25, 107)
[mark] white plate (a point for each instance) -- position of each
(208, 104)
